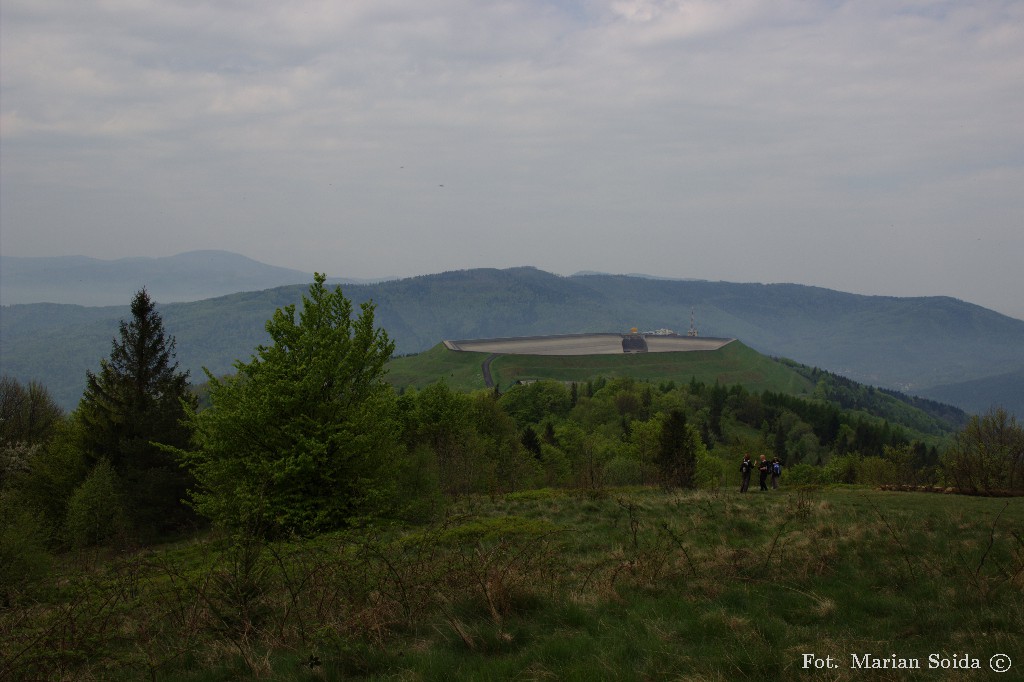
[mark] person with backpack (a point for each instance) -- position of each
(762, 468)
(776, 472)
(745, 468)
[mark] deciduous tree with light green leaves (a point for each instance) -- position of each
(987, 455)
(303, 437)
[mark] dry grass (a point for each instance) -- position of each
(692, 586)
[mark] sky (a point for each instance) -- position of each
(873, 146)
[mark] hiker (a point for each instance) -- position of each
(762, 468)
(745, 469)
(776, 472)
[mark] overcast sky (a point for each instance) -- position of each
(869, 146)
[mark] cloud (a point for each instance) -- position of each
(741, 139)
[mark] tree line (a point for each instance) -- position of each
(306, 437)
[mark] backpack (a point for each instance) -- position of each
(776, 468)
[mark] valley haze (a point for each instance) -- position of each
(192, 276)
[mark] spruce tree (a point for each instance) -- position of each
(531, 441)
(134, 405)
(677, 454)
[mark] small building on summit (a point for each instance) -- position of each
(634, 342)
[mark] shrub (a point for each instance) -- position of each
(96, 511)
(988, 455)
(418, 485)
(24, 560)
(841, 469)
(43, 477)
(804, 474)
(710, 471)
(877, 471)
(557, 467)
(622, 470)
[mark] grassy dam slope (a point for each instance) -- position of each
(733, 363)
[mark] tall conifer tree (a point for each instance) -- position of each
(132, 406)
(677, 455)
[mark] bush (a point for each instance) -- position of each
(841, 469)
(24, 561)
(988, 455)
(557, 467)
(531, 403)
(622, 470)
(710, 471)
(804, 474)
(43, 477)
(96, 512)
(877, 471)
(418, 485)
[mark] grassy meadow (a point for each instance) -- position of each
(631, 584)
(731, 364)
(460, 370)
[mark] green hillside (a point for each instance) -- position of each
(731, 364)
(980, 395)
(460, 370)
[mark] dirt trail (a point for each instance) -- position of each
(486, 366)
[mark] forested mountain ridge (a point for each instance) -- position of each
(908, 344)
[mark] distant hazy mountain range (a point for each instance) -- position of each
(190, 276)
(935, 347)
